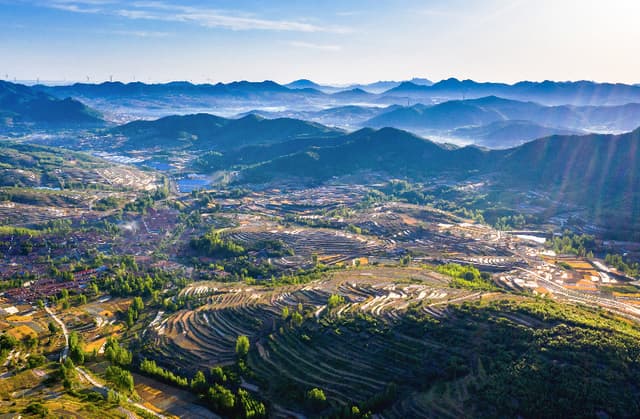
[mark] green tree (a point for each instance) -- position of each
(222, 399)
(335, 300)
(315, 398)
(121, 379)
(138, 304)
(218, 375)
(242, 346)
(199, 382)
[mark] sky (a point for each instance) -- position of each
(329, 41)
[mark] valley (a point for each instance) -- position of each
(262, 265)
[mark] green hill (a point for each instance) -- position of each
(503, 134)
(22, 106)
(388, 150)
(209, 132)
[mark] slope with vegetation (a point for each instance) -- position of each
(24, 107)
(209, 132)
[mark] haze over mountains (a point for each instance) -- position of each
(497, 120)
(588, 170)
(22, 107)
(496, 115)
(547, 92)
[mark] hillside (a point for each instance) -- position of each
(209, 132)
(444, 116)
(505, 134)
(341, 116)
(596, 172)
(600, 169)
(22, 106)
(388, 150)
(30, 171)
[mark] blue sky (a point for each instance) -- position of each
(328, 41)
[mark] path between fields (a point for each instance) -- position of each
(65, 332)
(87, 376)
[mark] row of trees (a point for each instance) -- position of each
(213, 388)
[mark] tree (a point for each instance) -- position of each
(117, 354)
(199, 382)
(218, 375)
(37, 409)
(75, 349)
(297, 319)
(68, 372)
(221, 398)
(121, 379)
(316, 398)
(94, 288)
(250, 408)
(138, 305)
(242, 346)
(335, 300)
(113, 397)
(53, 329)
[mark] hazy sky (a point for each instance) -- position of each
(326, 40)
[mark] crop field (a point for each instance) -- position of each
(401, 325)
(336, 246)
(168, 400)
(96, 321)
(206, 336)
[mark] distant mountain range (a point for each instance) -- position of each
(456, 114)
(546, 92)
(209, 132)
(480, 118)
(376, 87)
(239, 89)
(24, 107)
(578, 93)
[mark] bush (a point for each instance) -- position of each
(38, 409)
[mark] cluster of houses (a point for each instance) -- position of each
(33, 291)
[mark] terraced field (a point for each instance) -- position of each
(321, 356)
(336, 246)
